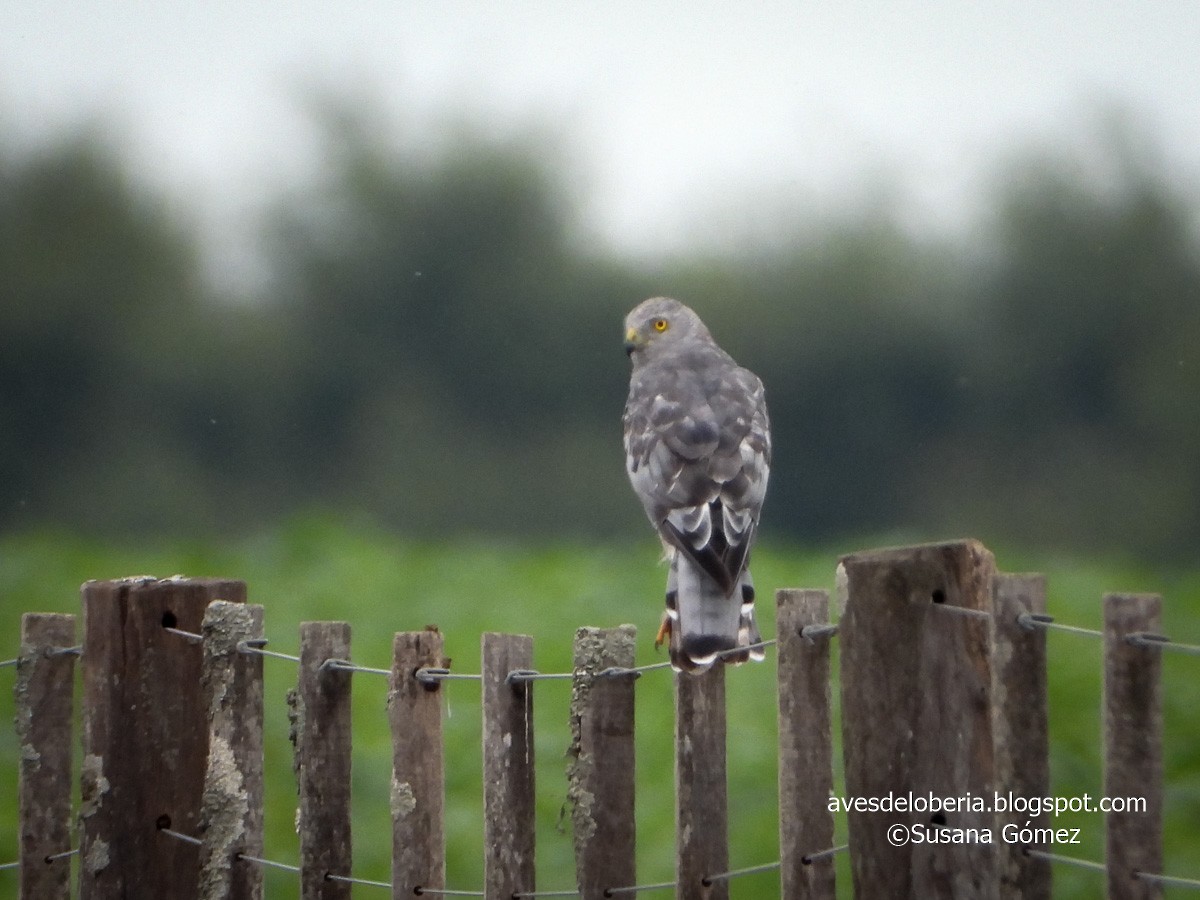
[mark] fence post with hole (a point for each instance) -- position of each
(916, 715)
(143, 712)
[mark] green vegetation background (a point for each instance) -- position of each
(317, 568)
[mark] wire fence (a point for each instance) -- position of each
(898, 667)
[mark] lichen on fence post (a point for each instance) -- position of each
(232, 805)
(145, 734)
(508, 777)
(701, 814)
(321, 729)
(44, 692)
(600, 767)
(418, 765)
(1133, 760)
(1020, 720)
(805, 745)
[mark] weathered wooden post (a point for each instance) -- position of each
(917, 720)
(145, 734)
(321, 729)
(44, 691)
(508, 776)
(701, 798)
(1133, 762)
(805, 746)
(1021, 727)
(231, 820)
(418, 767)
(600, 771)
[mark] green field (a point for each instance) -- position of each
(314, 569)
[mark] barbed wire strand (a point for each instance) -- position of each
(708, 880)
(54, 857)
(809, 858)
(11, 865)
(1149, 639)
(4, 663)
(347, 879)
(633, 889)
(1169, 880)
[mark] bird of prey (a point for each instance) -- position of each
(698, 453)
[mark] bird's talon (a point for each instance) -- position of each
(664, 632)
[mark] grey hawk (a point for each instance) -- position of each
(698, 453)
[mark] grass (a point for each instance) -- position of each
(315, 569)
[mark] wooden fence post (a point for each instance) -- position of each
(508, 777)
(805, 746)
(701, 812)
(418, 766)
(916, 719)
(232, 805)
(1133, 762)
(600, 771)
(1020, 721)
(321, 728)
(145, 735)
(44, 692)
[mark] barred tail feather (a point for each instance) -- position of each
(705, 622)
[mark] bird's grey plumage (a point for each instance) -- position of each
(698, 454)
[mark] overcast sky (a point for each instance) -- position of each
(671, 110)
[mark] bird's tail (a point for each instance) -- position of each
(705, 624)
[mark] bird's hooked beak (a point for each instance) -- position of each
(633, 341)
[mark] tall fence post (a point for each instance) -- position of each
(916, 717)
(508, 777)
(145, 735)
(44, 692)
(321, 714)
(418, 767)
(805, 746)
(1133, 762)
(1021, 726)
(600, 771)
(232, 805)
(701, 800)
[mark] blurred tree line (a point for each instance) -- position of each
(440, 351)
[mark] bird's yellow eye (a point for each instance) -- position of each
(661, 325)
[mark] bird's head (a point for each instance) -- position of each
(658, 323)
